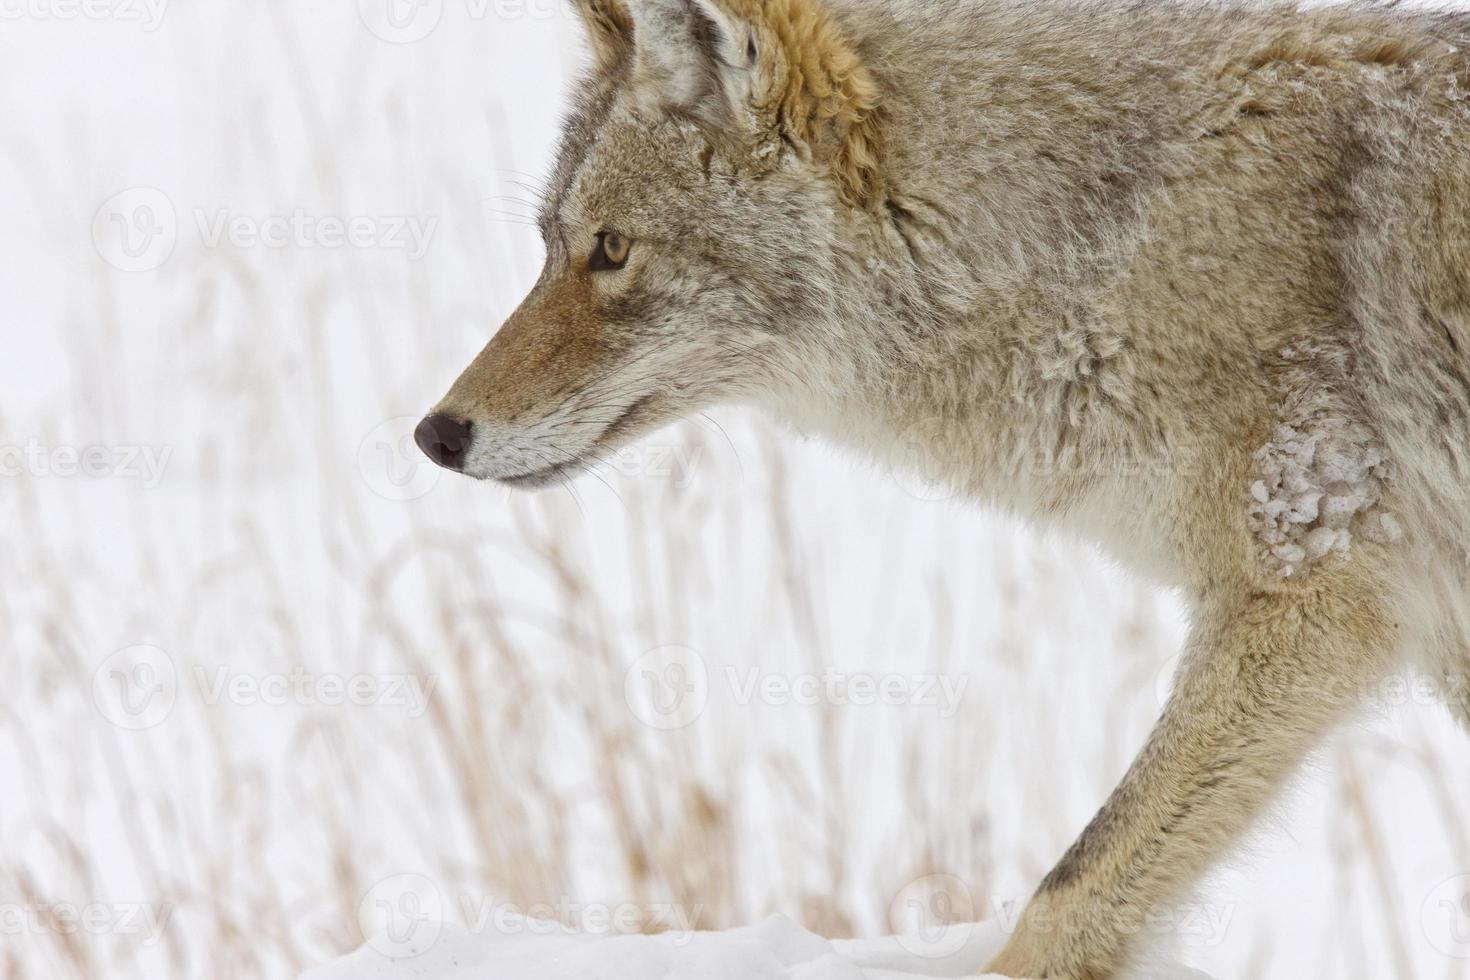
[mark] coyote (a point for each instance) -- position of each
(1190, 281)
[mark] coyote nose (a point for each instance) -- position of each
(444, 440)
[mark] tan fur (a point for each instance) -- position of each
(609, 32)
(552, 344)
(1189, 282)
(818, 91)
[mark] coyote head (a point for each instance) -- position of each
(710, 173)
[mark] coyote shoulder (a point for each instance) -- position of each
(1190, 280)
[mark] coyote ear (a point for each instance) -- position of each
(669, 68)
(788, 74)
(609, 31)
(701, 56)
(772, 72)
(731, 37)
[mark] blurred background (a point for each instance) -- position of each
(272, 683)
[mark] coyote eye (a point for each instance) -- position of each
(611, 252)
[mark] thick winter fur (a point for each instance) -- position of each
(1193, 282)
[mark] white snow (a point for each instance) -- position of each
(776, 949)
(1316, 482)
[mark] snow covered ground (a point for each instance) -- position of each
(776, 949)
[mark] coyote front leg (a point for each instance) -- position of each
(1264, 677)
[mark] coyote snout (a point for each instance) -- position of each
(548, 395)
(1222, 237)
